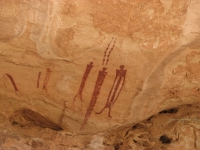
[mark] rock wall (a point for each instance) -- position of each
(106, 74)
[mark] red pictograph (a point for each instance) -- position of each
(46, 80)
(84, 78)
(115, 90)
(101, 76)
(13, 82)
(38, 80)
(107, 53)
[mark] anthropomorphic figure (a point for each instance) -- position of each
(101, 76)
(82, 85)
(115, 90)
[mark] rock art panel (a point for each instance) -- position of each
(116, 87)
(128, 60)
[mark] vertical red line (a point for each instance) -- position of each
(46, 80)
(38, 80)
(12, 81)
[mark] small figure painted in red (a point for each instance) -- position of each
(115, 90)
(84, 78)
(38, 80)
(13, 82)
(46, 80)
(101, 76)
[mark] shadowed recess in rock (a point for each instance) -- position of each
(117, 146)
(36, 119)
(161, 131)
(165, 139)
(170, 111)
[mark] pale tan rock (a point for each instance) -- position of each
(150, 50)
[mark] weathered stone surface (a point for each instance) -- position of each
(93, 69)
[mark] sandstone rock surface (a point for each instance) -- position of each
(106, 74)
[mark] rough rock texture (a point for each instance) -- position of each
(99, 74)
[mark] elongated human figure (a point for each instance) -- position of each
(115, 90)
(101, 76)
(82, 85)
